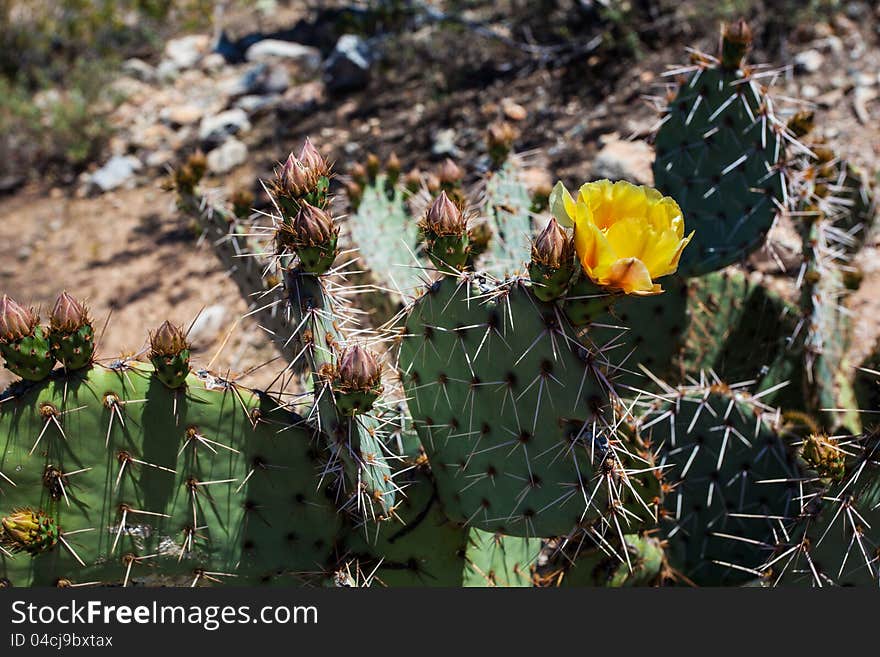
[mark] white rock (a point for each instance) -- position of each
(808, 61)
(217, 127)
(270, 49)
(185, 52)
(208, 325)
(227, 156)
(116, 172)
(624, 160)
(139, 69)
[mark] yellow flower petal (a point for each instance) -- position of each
(592, 247)
(631, 276)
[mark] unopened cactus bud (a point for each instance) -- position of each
(359, 173)
(24, 344)
(357, 381)
(445, 230)
(822, 455)
(16, 322)
(355, 194)
(29, 530)
(71, 334)
(68, 314)
(552, 247)
(802, 123)
(736, 40)
(311, 159)
(392, 169)
(169, 353)
(479, 237)
(499, 140)
(449, 174)
(412, 181)
(552, 264)
(444, 217)
(303, 179)
(242, 202)
(313, 236)
(373, 165)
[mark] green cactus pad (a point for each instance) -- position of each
(507, 205)
(499, 560)
(834, 540)
(73, 350)
(718, 156)
(387, 237)
(639, 562)
(637, 331)
(732, 477)
(423, 549)
(29, 357)
(216, 484)
(510, 412)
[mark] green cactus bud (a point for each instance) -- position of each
(23, 343)
(552, 262)
(445, 230)
(357, 381)
(499, 140)
(823, 456)
(392, 169)
(736, 40)
(71, 333)
(29, 530)
(313, 236)
(169, 353)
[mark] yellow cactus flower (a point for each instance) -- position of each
(626, 236)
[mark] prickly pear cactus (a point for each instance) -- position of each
(730, 478)
(137, 483)
(507, 206)
(719, 152)
(387, 236)
(515, 416)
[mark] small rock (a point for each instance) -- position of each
(25, 252)
(167, 71)
(149, 136)
(444, 143)
(158, 159)
(257, 104)
(861, 97)
(306, 57)
(513, 111)
(809, 91)
(139, 69)
(213, 61)
(11, 183)
(208, 325)
(180, 115)
(117, 171)
(302, 99)
(215, 129)
(624, 160)
(185, 52)
(260, 79)
(828, 99)
(348, 66)
(227, 156)
(808, 61)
